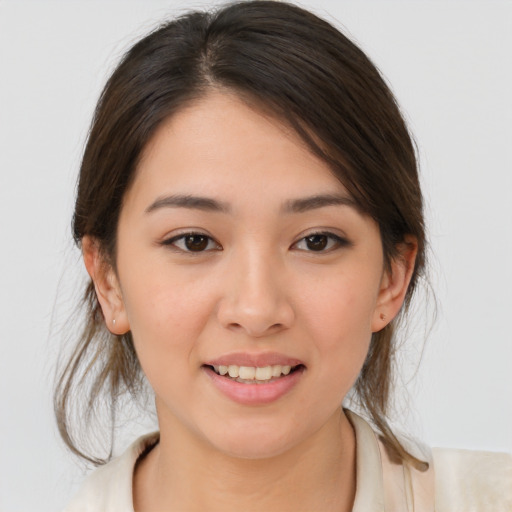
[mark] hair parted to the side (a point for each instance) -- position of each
(300, 69)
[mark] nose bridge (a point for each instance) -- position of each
(255, 299)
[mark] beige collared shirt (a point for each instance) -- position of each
(456, 481)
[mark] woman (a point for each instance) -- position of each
(250, 215)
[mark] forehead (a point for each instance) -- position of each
(222, 146)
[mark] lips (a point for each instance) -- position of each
(254, 379)
(254, 360)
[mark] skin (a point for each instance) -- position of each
(258, 287)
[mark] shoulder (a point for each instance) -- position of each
(109, 487)
(455, 480)
(472, 480)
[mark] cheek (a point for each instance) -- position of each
(166, 321)
(166, 310)
(338, 317)
(341, 310)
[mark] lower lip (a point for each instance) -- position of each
(255, 394)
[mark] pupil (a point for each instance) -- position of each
(316, 242)
(196, 242)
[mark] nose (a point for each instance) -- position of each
(255, 299)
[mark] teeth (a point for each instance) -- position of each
(247, 372)
(253, 373)
(264, 373)
(233, 371)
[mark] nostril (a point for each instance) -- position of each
(255, 319)
(256, 330)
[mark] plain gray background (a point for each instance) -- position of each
(449, 65)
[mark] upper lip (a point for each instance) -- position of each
(254, 360)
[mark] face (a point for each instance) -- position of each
(239, 251)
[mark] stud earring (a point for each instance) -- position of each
(382, 316)
(114, 322)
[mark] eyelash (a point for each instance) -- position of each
(332, 243)
(183, 236)
(335, 241)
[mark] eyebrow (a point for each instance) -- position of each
(188, 201)
(318, 201)
(212, 205)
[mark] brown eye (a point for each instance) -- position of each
(196, 243)
(321, 242)
(192, 242)
(317, 242)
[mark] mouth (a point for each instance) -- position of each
(254, 379)
(254, 374)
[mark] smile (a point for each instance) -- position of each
(254, 385)
(253, 374)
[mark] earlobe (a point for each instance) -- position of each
(106, 286)
(394, 284)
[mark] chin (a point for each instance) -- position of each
(255, 441)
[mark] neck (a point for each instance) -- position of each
(319, 474)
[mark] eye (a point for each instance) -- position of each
(320, 242)
(193, 242)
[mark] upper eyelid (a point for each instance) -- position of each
(325, 232)
(187, 232)
(342, 240)
(170, 240)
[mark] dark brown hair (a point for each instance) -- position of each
(303, 71)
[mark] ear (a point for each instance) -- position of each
(394, 284)
(106, 285)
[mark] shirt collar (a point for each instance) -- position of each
(369, 478)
